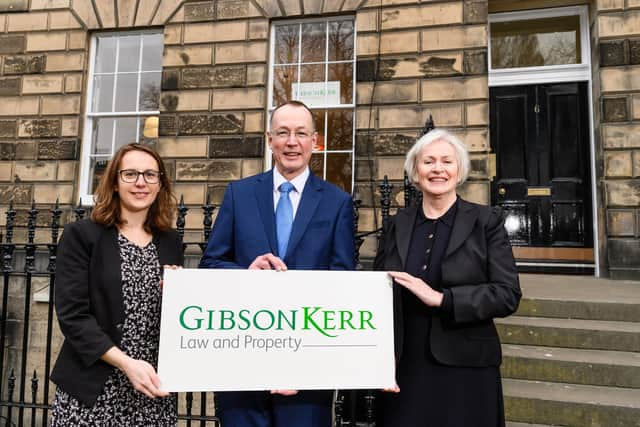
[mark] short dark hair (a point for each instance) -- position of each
(298, 104)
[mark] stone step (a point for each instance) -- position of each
(579, 297)
(591, 310)
(570, 405)
(572, 333)
(570, 365)
(515, 424)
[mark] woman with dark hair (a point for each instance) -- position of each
(453, 272)
(107, 298)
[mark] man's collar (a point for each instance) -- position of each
(298, 182)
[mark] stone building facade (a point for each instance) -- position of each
(218, 78)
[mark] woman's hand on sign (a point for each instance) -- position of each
(394, 389)
(418, 287)
(143, 378)
(170, 267)
(141, 374)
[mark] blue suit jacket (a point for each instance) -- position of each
(321, 237)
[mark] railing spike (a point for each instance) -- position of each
(79, 212)
(207, 221)
(182, 212)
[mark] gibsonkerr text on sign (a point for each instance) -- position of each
(326, 322)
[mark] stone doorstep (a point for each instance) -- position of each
(515, 424)
(539, 401)
(588, 310)
(572, 333)
(579, 297)
(569, 365)
(579, 288)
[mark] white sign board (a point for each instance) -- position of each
(225, 330)
(317, 94)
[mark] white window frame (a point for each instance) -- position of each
(268, 154)
(84, 194)
(556, 74)
(547, 73)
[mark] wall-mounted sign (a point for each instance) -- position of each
(228, 330)
(317, 94)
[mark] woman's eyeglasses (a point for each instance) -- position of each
(131, 175)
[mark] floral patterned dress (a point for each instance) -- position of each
(120, 404)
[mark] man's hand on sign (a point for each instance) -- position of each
(285, 392)
(268, 262)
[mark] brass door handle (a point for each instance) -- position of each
(502, 191)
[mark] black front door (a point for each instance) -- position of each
(540, 137)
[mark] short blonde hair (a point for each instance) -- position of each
(462, 155)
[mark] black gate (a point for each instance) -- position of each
(28, 341)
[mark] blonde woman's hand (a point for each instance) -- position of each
(418, 287)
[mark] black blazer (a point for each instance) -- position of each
(89, 303)
(479, 269)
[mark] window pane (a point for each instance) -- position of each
(97, 168)
(102, 94)
(127, 75)
(284, 77)
(342, 73)
(339, 170)
(340, 129)
(340, 40)
(149, 92)
(148, 130)
(314, 63)
(102, 136)
(312, 73)
(129, 54)
(318, 116)
(536, 42)
(286, 44)
(314, 42)
(317, 164)
(105, 54)
(126, 131)
(126, 90)
(152, 52)
(311, 90)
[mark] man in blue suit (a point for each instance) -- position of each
(282, 219)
